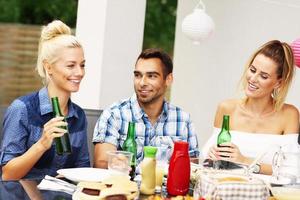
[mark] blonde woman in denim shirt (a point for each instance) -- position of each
(29, 128)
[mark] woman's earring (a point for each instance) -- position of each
(275, 93)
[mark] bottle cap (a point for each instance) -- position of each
(150, 151)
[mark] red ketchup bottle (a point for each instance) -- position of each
(179, 170)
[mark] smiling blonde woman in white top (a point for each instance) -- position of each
(265, 81)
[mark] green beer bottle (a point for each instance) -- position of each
(62, 144)
(131, 146)
(223, 137)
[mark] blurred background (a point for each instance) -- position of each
(20, 25)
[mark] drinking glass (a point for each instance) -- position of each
(286, 167)
(119, 161)
(161, 165)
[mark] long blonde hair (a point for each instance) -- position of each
(54, 37)
(282, 54)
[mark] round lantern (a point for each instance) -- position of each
(198, 26)
(296, 50)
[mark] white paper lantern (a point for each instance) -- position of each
(198, 26)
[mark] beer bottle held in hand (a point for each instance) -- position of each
(62, 144)
(131, 146)
(223, 137)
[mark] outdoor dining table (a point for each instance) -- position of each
(26, 189)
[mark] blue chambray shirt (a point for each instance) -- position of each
(172, 125)
(23, 126)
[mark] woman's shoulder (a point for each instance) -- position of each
(289, 108)
(22, 102)
(289, 111)
(17, 111)
(290, 118)
(228, 105)
(16, 106)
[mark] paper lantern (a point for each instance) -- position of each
(198, 26)
(296, 50)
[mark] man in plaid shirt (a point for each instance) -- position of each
(157, 123)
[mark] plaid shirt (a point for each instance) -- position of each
(172, 125)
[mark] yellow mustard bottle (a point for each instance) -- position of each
(148, 167)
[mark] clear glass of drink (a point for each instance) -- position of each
(119, 161)
(286, 167)
(161, 165)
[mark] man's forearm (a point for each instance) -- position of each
(101, 164)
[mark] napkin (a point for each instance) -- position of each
(54, 184)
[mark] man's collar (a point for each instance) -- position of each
(165, 110)
(138, 112)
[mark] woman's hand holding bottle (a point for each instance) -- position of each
(52, 130)
(227, 152)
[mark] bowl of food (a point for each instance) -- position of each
(286, 193)
(225, 185)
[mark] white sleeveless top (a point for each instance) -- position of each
(254, 144)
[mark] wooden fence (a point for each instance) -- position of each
(18, 55)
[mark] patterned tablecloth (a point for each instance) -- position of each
(223, 186)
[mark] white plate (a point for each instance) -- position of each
(88, 174)
(75, 195)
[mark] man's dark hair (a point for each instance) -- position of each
(160, 54)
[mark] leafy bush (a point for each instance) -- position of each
(160, 24)
(38, 11)
(159, 21)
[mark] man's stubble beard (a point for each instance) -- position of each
(148, 101)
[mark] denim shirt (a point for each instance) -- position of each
(23, 127)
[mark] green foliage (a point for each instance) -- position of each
(9, 10)
(160, 24)
(38, 11)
